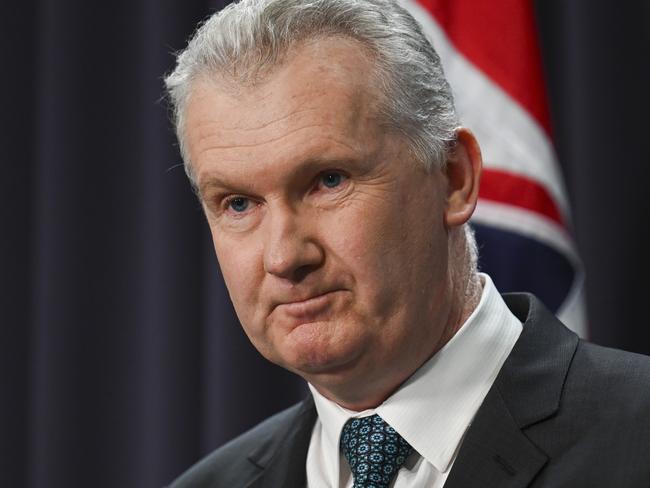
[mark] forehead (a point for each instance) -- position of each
(332, 65)
(321, 93)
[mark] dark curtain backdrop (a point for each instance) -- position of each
(121, 360)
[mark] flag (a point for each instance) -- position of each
(491, 57)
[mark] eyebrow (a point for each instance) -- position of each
(307, 166)
(214, 184)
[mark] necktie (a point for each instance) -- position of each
(375, 452)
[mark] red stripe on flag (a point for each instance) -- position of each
(500, 38)
(512, 189)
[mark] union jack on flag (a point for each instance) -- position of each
(491, 56)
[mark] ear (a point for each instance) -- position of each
(463, 172)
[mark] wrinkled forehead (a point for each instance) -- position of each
(330, 66)
(324, 82)
(318, 105)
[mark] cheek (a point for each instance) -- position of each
(391, 247)
(369, 245)
(239, 266)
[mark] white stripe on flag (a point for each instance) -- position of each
(510, 138)
(535, 226)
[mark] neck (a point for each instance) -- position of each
(465, 283)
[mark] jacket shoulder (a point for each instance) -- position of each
(227, 465)
(611, 376)
(601, 431)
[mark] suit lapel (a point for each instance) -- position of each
(496, 450)
(282, 459)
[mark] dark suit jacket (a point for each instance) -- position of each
(561, 413)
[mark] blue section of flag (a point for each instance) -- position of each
(519, 263)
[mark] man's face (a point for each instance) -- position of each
(330, 236)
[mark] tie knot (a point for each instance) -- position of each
(374, 451)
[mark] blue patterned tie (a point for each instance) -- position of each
(374, 451)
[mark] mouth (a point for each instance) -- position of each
(309, 309)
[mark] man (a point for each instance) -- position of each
(323, 143)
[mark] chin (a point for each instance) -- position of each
(308, 363)
(309, 355)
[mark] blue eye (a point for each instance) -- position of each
(332, 180)
(239, 204)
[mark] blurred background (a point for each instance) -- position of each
(121, 360)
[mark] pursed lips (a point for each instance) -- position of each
(309, 307)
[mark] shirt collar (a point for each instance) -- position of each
(433, 408)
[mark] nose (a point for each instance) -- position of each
(290, 251)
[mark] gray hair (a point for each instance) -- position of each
(246, 40)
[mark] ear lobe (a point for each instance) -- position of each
(463, 172)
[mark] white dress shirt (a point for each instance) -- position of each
(433, 408)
